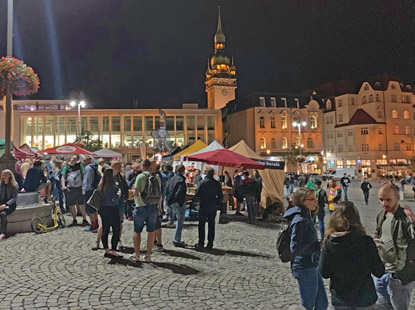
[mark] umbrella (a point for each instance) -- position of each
(225, 158)
(27, 149)
(106, 153)
(20, 153)
(67, 149)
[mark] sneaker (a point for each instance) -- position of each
(180, 244)
(171, 225)
(2, 237)
(158, 248)
(89, 229)
(74, 223)
(85, 223)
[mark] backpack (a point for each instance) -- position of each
(97, 178)
(73, 175)
(151, 193)
(283, 244)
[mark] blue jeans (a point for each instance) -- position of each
(391, 293)
(345, 188)
(146, 215)
(180, 213)
(311, 287)
(170, 213)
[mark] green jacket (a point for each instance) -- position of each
(403, 234)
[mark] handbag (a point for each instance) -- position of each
(95, 200)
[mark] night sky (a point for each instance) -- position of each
(155, 51)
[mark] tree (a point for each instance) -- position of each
(86, 140)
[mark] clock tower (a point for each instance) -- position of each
(220, 79)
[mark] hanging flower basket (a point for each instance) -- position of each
(300, 159)
(23, 80)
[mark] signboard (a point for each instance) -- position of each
(270, 164)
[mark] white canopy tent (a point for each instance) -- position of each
(107, 153)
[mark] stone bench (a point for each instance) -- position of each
(28, 208)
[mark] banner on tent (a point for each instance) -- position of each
(270, 164)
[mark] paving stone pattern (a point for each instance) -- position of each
(59, 270)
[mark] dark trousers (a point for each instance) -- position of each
(207, 216)
(110, 218)
(366, 194)
(3, 222)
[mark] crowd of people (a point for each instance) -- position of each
(146, 193)
(365, 272)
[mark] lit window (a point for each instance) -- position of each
(261, 122)
(263, 143)
(283, 121)
(407, 130)
(396, 130)
(405, 114)
(364, 131)
(313, 122)
(284, 143)
(394, 114)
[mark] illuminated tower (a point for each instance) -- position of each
(220, 73)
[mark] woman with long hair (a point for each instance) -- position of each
(306, 248)
(8, 197)
(109, 212)
(348, 258)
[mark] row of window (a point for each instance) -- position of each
(284, 143)
(365, 131)
(375, 98)
(366, 148)
(395, 115)
(313, 121)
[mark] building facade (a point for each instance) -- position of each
(372, 130)
(48, 123)
(265, 122)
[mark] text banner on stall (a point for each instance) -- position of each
(270, 164)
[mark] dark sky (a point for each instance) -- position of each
(155, 51)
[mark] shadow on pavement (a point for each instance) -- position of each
(179, 254)
(125, 262)
(180, 269)
(220, 252)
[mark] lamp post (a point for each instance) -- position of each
(299, 125)
(80, 104)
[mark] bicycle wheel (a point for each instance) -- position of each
(61, 220)
(36, 225)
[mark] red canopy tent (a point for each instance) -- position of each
(21, 154)
(27, 149)
(225, 158)
(66, 149)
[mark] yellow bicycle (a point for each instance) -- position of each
(58, 220)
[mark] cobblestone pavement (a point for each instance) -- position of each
(59, 270)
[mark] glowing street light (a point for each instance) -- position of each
(80, 104)
(299, 125)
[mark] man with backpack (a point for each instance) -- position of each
(147, 199)
(89, 184)
(177, 199)
(72, 178)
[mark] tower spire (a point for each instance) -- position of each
(220, 38)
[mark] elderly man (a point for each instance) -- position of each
(395, 234)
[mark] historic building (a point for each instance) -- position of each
(371, 130)
(220, 79)
(265, 122)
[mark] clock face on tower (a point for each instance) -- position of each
(224, 92)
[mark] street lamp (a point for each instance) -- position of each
(299, 125)
(80, 104)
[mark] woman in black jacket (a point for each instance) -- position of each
(8, 197)
(348, 258)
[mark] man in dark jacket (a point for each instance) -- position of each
(36, 180)
(176, 197)
(345, 182)
(395, 236)
(366, 187)
(121, 182)
(210, 194)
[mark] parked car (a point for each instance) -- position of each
(338, 173)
